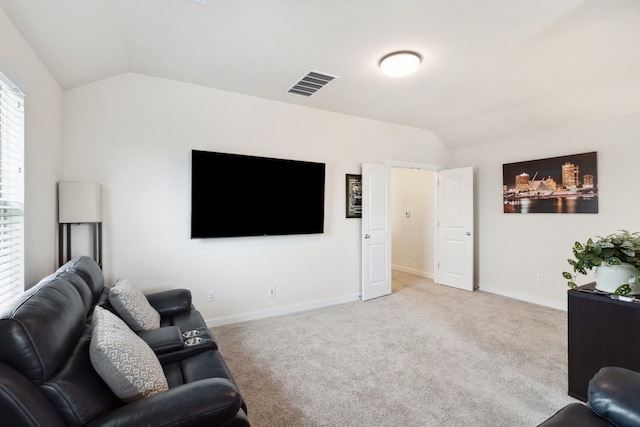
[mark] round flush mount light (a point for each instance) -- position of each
(399, 64)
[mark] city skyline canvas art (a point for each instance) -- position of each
(563, 184)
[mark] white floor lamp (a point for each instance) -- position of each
(79, 202)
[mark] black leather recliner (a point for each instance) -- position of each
(47, 378)
(613, 400)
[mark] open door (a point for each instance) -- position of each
(376, 231)
(455, 228)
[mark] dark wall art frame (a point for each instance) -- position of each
(564, 184)
(354, 196)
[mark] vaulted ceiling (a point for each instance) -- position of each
(492, 68)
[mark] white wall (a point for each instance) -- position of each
(134, 133)
(512, 249)
(43, 148)
(413, 237)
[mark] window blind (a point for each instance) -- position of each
(11, 190)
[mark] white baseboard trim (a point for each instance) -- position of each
(526, 298)
(281, 310)
(412, 271)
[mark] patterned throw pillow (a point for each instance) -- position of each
(123, 360)
(134, 308)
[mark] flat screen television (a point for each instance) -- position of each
(235, 195)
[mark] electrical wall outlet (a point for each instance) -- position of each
(211, 295)
(540, 278)
(271, 291)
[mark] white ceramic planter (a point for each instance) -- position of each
(611, 277)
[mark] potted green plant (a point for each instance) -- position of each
(615, 257)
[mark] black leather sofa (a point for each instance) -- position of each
(613, 400)
(47, 377)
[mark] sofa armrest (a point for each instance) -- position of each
(207, 402)
(171, 302)
(164, 339)
(614, 394)
(575, 415)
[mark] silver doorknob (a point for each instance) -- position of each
(468, 233)
(367, 236)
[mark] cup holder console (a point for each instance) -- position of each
(191, 334)
(192, 341)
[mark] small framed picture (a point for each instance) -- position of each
(354, 196)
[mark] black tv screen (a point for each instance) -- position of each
(236, 195)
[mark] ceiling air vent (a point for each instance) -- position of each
(311, 83)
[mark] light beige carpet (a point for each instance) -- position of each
(427, 355)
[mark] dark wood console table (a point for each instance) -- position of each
(602, 332)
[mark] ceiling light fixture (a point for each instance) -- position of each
(399, 64)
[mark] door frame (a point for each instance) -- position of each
(427, 167)
(432, 167)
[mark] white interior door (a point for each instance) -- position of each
(376, 231)
(455, 228)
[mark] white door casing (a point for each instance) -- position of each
(376, 231)
(455, 261)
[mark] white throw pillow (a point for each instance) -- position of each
(123, 360)
(134, 308)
